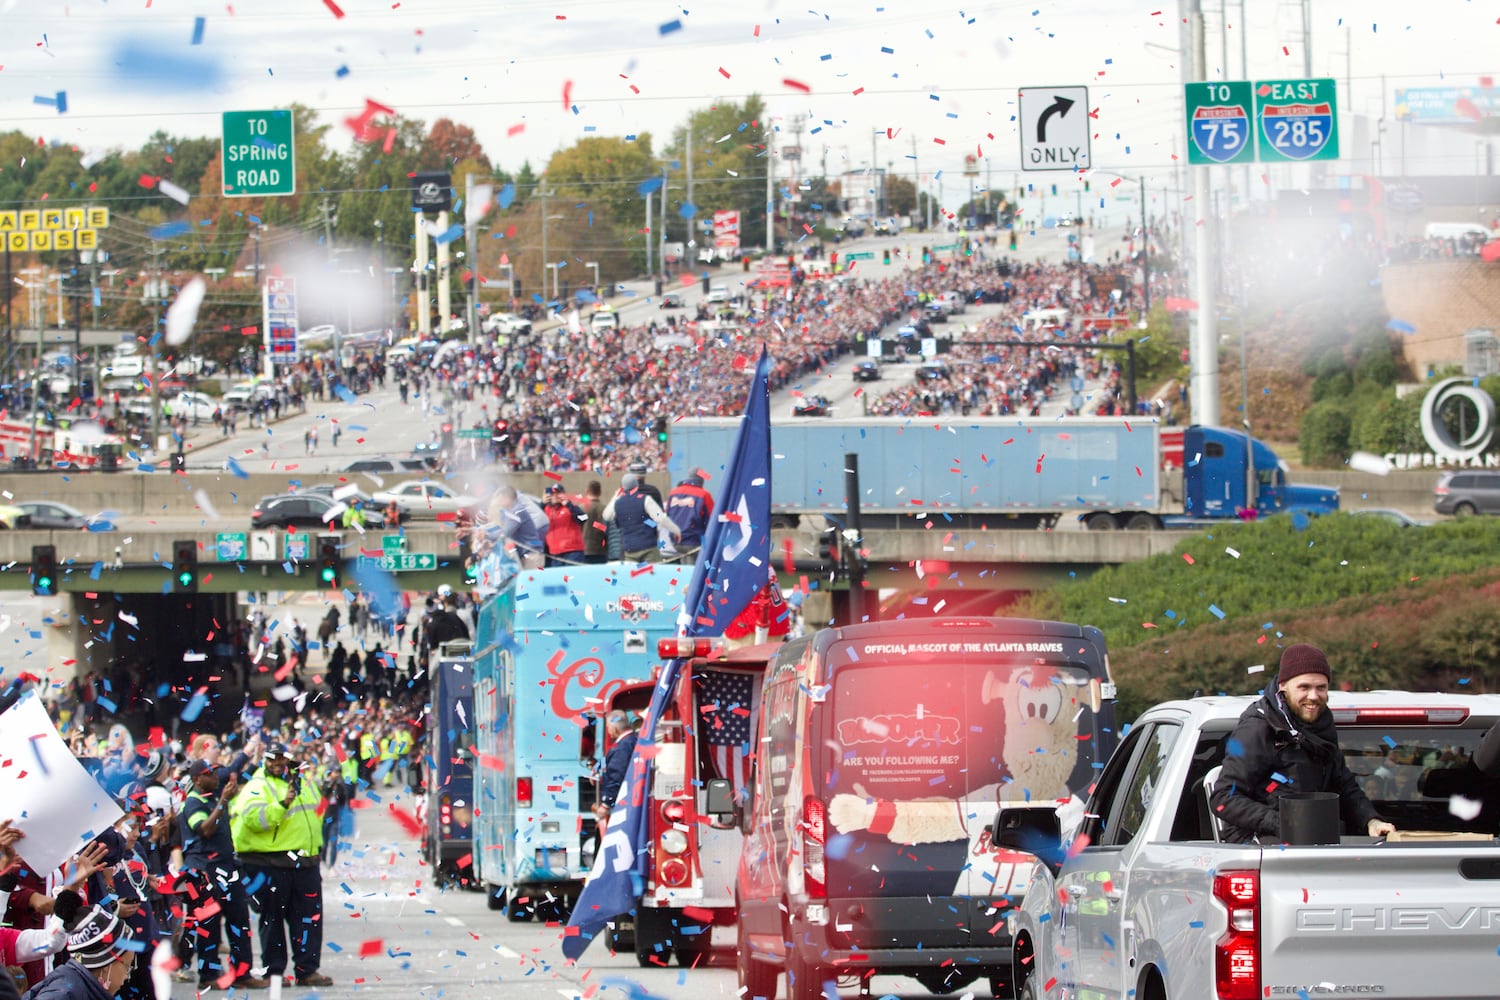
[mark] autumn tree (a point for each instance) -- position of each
(729, 143)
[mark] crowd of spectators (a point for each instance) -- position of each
(217, 822)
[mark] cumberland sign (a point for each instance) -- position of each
(1468, 449)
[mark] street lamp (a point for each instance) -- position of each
(553, 267)
(594, 266)
(510, 279)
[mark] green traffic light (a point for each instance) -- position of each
(328, 574)
(44, 582)
(185, 578)
(586, 437)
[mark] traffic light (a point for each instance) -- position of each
(585, 429)
(927, 255)
(887, 256)
(1012, 239)
(466, 560)
(43, 570)
(828, 551)
(185, 567)
(330, 564)
(447, 432)
(661, 429)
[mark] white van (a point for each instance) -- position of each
(604, 320)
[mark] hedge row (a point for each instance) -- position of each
(1392, 606)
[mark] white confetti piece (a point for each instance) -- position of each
(183, 313)
(1232, 551)
(176, 193)
(1364, 461)
(1465, 809)
(200, 497)
(1258, 668)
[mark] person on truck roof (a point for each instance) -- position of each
(1286, 742)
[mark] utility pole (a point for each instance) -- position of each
(687, 145)
(1205, 343)
(542, 184)
(875, 176)
(650, 267)
(661, 231)
(770, 188)
(471, 220)
(156, 294)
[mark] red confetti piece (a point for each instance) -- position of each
(1188, 559)
(567, 94)
(333, 7)
(147, 181)
(756, 32)
(515, 130)
(859, 91)
(724, 72)
(940, 142)
(797, 85)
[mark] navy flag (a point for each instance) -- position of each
(731, 570)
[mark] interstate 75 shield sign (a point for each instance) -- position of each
(1297, 120)
(1218, 119)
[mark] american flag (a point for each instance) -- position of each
(727, 701)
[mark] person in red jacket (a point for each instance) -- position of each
(565, 536)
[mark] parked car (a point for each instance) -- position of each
(933, 371)
(671, 300)
(506, 322)
(1463, 492)
(812, 406)
(48, 515)
(1396, 517)
(421, 498)
(193, 405)
(245, 394)
(293, 510)
(867, 371)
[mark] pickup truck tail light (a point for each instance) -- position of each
(523, 793)
(1237, 952)
(814, 825)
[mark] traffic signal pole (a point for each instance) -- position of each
(851, 544)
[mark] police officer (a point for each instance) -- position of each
(208, 855)
(279, 836)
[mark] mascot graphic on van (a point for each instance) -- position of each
(970, 759)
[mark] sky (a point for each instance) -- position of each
(913, 86)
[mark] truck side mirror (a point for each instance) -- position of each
(1031, 830)
(720, 798)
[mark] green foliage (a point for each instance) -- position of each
(1388, 424)
(729, 141)
(1393, 606)
(1324, 438)
(1158, 350)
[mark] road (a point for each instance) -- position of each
(397, 935)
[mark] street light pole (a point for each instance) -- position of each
(594, 266)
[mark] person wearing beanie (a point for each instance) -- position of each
(639, 518)
(1286, 742)
(102, 950)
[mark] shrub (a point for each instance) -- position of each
(1324, 436)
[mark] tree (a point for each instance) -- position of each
(900, 195)
(449, 143)
(729, 165)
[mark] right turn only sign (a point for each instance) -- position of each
(1054, 128)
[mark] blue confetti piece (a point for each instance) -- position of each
(1214, 610)
(167, 230)
(195, 706)
(454, 232)
(199, 24)
(1388, 742)
(341, 72)
(237, 470)
(649, 185)
(343, 391)
(507, 196)
(669, 27)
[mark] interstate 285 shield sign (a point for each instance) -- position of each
(1297, 120)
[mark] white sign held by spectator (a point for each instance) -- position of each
(45, 792)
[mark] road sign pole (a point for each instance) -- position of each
(1204, 357)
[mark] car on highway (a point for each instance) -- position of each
(671, 300)
(379, 465)
(506, 322)
(49, 515)
(933, 371)
(885, 227)
(867, 371)
(812, 406)
(295, 510)
(424, 498)
(1392, 515)
(1464, 492)
(244, 395)
(604, 321)
(717, 294)
(953, 302)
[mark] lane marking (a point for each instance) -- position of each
(507, 953)
(453, 921)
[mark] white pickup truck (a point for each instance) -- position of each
(1141, 900)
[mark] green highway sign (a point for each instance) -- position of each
(1218, 122)
(231, 546)
(259, 154)
(474, 432)
(408, 562)
(297, 545)
(393, 545)
(1296, 120)
(945, 246)
(860, 255)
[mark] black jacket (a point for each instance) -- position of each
(1271, 754)
(69, 981)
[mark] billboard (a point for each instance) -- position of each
(727, 229)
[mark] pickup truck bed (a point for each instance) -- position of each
(1146, 903)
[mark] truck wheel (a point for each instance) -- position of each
(757, 979)
(1142, 522)
(516, 911)
(1101, 522)
(494, 897)
(1465, 509)
(804, 979)
(1029, 990)
(693, 950)
(653, 947)
(621, 935)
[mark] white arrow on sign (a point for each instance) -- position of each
(1054, 128)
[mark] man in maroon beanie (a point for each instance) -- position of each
(1286, 742)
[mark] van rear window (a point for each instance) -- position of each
(947, 725)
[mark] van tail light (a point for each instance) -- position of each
(445, 815)
(523, 792)
(682, 648)
(1441, 491)
(1237, 952)
(814, 824)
